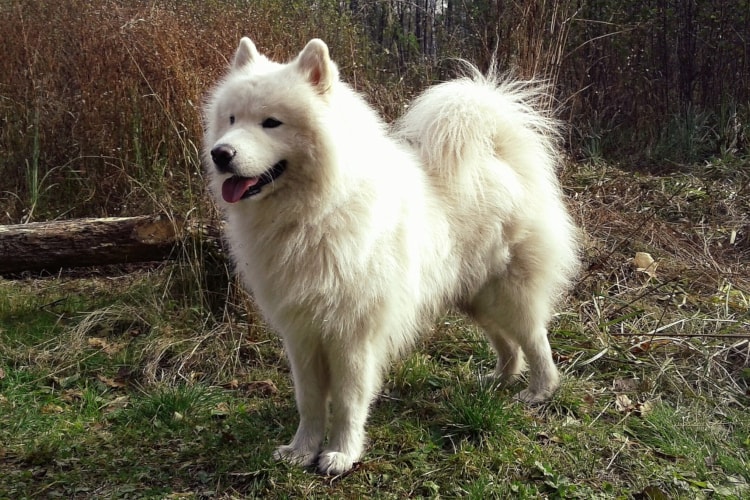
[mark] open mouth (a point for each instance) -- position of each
(238, 188)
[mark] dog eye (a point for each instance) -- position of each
(231, 119)
(270, 123)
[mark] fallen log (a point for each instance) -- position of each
(55, 245)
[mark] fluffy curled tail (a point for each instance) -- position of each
(460, 123)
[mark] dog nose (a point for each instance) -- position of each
(222, 156)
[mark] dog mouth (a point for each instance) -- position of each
(238, 188)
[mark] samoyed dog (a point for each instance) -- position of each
(354, 237)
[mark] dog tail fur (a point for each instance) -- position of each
(487, 140)
(465, 121)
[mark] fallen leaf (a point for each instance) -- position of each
(543, 437)
(643, 409)
(110, 382)
(623, 403)
(52, 408)
(546, 439)
(106, 346)
(643, 262)
(560, 358)
(647, 345)
(233, 384)
(97, 342)
(2, 373)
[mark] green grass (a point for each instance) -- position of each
(162, 383)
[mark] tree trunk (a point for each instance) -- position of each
(55, 245)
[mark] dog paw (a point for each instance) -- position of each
(534, 397)
(333, 463)
(294, 456)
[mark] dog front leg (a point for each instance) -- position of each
(311, 383)
(355, 379)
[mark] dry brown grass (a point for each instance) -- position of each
(101, 101)
(690, 315)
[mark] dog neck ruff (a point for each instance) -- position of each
(238, 188)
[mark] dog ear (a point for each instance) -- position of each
(246, 53)
(315, 64)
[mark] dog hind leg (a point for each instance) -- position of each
(514, 319)
(510, 362)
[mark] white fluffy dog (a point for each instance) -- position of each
(353, 238)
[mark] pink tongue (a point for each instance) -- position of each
(234, 187)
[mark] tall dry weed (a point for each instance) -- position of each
(101, 100)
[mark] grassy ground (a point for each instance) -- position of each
(160, 382)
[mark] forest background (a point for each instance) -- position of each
(96, 100)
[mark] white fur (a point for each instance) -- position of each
(370, 234)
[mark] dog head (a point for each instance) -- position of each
(262, 122)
